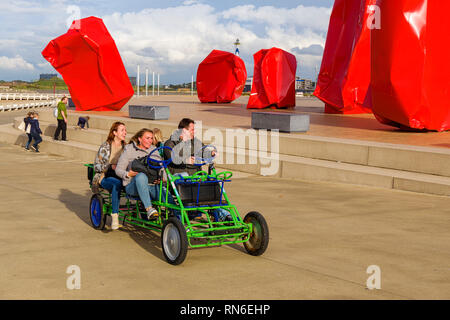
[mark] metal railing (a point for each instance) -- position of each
(14, 107)
(28, 97)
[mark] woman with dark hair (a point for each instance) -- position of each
(137, 184)
(105, 165)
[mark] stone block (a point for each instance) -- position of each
(284, 122)
(149, 112)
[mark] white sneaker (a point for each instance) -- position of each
(115, 221)
(152, 213)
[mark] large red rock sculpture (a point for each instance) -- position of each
(411, 65)
(91, 66)
(344, 78)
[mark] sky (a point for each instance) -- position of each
(166, 36)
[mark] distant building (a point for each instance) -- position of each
(248, 85)
(47, 76)
(132, 80)
(304, 84)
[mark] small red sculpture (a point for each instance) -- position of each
(273, 79)
(220, 77)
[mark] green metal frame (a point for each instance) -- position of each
(202, 230)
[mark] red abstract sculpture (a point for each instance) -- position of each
(344, 78)
(91, 66)
(221, 77)
(411, 65)
(273, 79)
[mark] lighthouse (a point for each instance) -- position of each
(236, 44)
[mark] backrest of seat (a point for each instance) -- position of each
(90, 174)
(209, 194)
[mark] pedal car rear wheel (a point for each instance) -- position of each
(259, 238)
(174, 241)
(98, 217)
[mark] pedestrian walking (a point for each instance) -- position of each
(62, 120)
(35, 132)
(27, 121)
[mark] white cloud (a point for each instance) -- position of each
(179, 38)
(172, 40)
(303, 16)
(191, 2)
(18, 6)
(16, 63)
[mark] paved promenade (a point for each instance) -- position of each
(323, 236)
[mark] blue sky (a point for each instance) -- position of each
(169, 37)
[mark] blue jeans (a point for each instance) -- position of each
(37, 139)
(139, 187)
(29, 141)
(113, 185)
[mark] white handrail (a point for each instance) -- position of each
(20, 96)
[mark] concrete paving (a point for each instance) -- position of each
(323, 237)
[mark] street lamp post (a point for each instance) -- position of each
(137, 81)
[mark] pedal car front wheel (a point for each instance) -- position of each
(98, 217)
(259, 238)
(174, 241)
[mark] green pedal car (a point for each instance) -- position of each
(192, 219)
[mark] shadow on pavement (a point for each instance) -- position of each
(238, 247)
(79, 204)
(147, 239)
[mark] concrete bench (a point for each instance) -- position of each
(149, 112)
(284, 122)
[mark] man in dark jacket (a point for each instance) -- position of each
(185, 147)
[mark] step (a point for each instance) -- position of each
(69, 149)
(290, 167)
(418, 159)
(90, 136)
(105, 122)
(299, 168)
